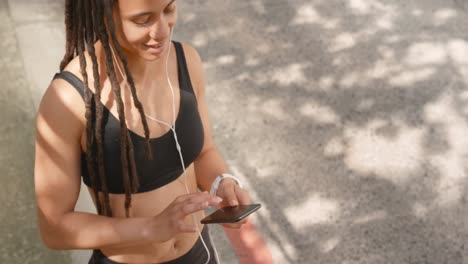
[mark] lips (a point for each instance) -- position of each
(156, 46)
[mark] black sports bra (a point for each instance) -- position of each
(166, 165)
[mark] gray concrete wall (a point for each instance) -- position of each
(347, 119)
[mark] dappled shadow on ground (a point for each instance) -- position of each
(346, 118)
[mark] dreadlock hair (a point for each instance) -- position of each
(89, 21)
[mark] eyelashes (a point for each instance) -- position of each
(145, 22)
(142, 23)
(170, 9)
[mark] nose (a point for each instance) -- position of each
(160, 29)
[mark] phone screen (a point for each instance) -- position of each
(230, 214)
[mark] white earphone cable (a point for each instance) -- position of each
(173, 127)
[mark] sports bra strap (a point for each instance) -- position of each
(182, 70)
(73, 80)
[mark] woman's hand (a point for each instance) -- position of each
(232, 195)
(171, 221)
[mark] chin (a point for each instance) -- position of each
(151, 57)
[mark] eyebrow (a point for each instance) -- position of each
(146, 13)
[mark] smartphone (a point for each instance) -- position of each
(230, 214)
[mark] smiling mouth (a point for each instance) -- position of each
(156, 46)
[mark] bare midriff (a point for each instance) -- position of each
(149, 204)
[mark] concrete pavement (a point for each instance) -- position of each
(18, 228)
(346, 119)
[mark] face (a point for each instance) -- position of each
(143, 27)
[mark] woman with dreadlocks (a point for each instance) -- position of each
(126, 100)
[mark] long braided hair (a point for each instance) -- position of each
(89, 21)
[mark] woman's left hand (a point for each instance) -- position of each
(232, 195)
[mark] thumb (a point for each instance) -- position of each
(230, 196)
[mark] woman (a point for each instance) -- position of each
(109, 117)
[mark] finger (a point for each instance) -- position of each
(210, 199)
(185, 197)
(242, 195)
(230, 197)
(193, 205)
(199, 197)
(189, 208)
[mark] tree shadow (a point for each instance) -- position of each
(344, 117)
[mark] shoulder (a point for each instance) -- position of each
(191, 54)
(74, 67)
(61, 104)
(62, 90)
(195, 68)
(59, 118)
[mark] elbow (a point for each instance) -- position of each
(51, 232)
(56, 243)
(52, 245)
(51, 237)
(51, 241)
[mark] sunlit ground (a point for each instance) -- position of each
(348, 119)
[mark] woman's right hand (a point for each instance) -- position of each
(171, 220)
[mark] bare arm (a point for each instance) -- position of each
(209, 163)
(57, 184)
(57, 179)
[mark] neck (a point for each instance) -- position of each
(142, 69)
